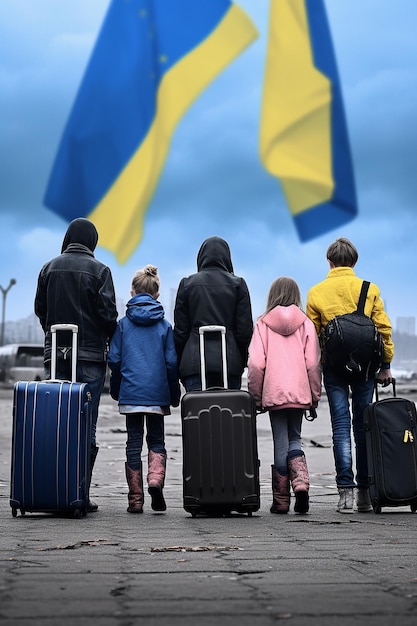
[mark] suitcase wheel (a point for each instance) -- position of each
(14, 511)
(413, 508)
(249, 513)
(77, 514)
(376, 506)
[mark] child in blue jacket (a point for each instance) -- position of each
(145, 381)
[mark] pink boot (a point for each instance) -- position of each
(280, 492)
(135, 483)
(300, 482)
(156, 479)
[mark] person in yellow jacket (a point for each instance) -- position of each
(336, 295)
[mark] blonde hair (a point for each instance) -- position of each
(284, 291)
(342, 253)
(146, 281)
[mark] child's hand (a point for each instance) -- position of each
(311, 414)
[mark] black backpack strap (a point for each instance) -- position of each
(362, 298)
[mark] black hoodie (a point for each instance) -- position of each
(214, 252)
(81, 231)
(213, 295)
(76, 288)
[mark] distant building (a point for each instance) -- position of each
(121, 306)
(26, 330)
(406, 325)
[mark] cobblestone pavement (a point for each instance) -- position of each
(116, 569)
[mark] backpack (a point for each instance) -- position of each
(351, 343)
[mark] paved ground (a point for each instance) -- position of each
(116, 569)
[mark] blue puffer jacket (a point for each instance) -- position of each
(142, 354)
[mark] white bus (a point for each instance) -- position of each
(21, 361)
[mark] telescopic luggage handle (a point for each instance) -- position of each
(212, 329)
(377, 382)
(74, 329)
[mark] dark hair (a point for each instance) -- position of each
(284, 291)
(146, 281)
(342, 253)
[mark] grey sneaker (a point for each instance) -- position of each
(363, 501)
(345, 504)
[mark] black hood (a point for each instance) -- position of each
(81, 231)
(215, 252)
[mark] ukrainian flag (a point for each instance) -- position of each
(151, 60)
(303, 134)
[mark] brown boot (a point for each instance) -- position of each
(280, 492)
(300, 482)
(156, 479)
(135, 483)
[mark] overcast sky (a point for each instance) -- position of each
(213, 182)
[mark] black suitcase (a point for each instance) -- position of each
(50, 463)
(391, 447)
(220, 452)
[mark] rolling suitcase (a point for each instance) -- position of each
(50, 464)
(220, 452)
(391, 447)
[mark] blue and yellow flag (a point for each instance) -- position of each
(151, 60)
(303, 134)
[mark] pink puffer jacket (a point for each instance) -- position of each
(284, 360)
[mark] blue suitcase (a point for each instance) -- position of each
(220, 452)
(50, 464)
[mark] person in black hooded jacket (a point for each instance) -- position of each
(212, 296)
(76, 288)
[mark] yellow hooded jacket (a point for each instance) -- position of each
(339, 294)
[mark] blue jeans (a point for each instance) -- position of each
(155, 436)
(286, 434)
(343, 423)
(193, 382)
(91, 372)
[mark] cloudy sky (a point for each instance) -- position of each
(213, 182)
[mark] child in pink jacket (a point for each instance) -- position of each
(284, 377)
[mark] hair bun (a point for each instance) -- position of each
(151, 270)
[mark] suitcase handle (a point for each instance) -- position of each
(380, 382)
(212, 329)
(74, 329)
